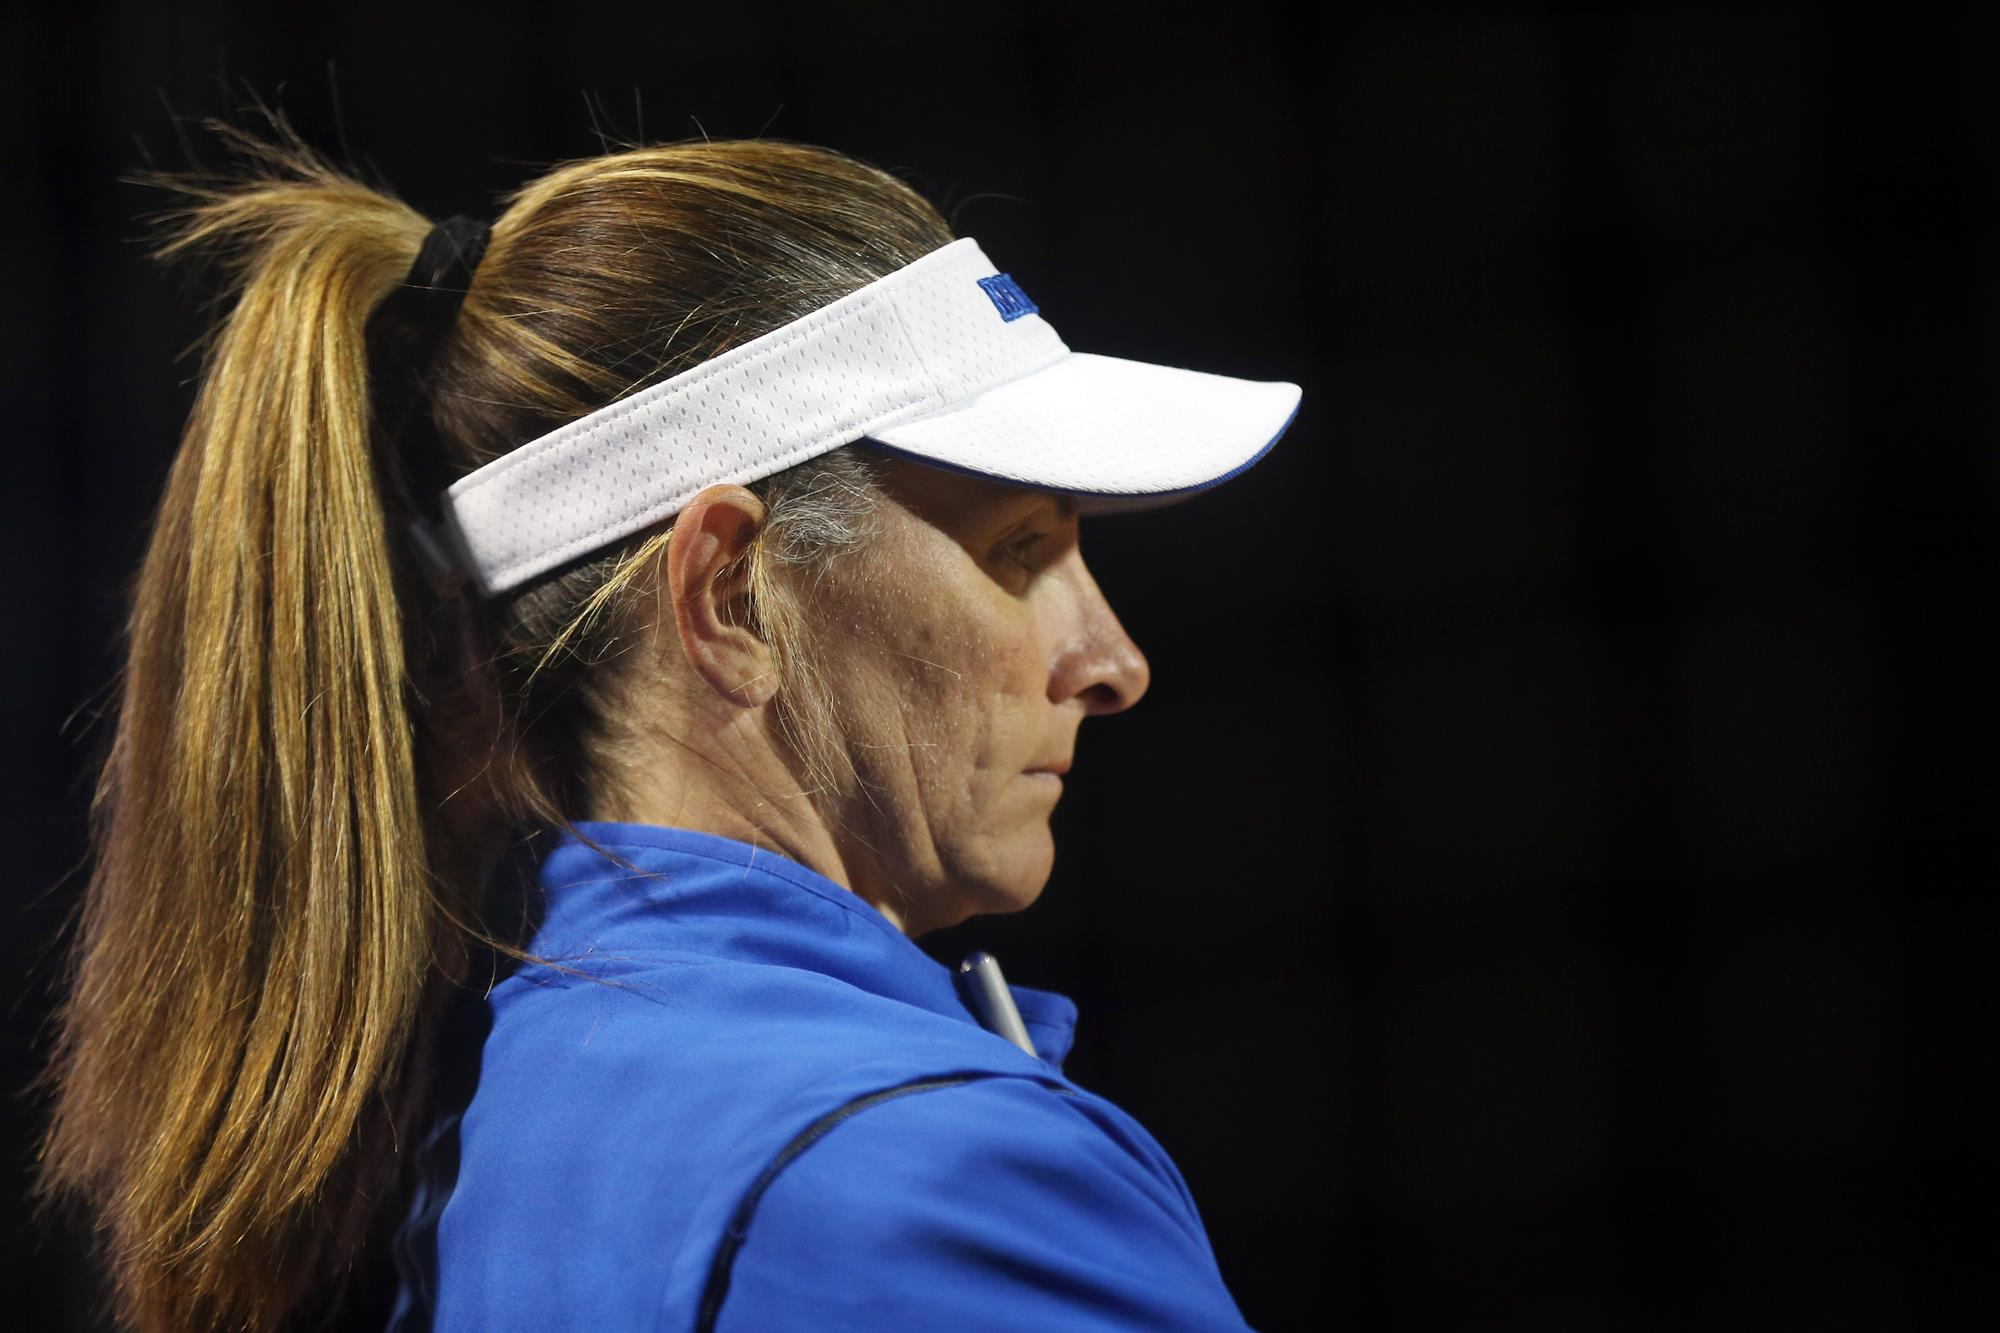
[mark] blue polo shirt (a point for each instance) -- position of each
(747, 1101)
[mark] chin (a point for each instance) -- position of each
(1005, 879)
(1022, 874)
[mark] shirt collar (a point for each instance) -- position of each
(721, 897)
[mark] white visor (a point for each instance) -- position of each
(945, 360)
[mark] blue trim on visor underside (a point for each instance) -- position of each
(1150, 498)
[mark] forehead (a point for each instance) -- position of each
(958, 501)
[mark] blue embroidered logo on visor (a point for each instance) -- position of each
(1008, 297)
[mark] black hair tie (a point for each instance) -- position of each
(410, 324)
(403, 336)
(437, 282)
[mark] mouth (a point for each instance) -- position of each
(1048, 778)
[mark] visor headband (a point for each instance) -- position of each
(935, 332)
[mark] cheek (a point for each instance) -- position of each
(945, 696)
(894, 665)
(953, 686)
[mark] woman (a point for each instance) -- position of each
(567, 672)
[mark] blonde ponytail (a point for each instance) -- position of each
(255, 935)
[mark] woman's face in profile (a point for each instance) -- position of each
(969, 642)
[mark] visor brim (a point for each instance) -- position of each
(1116, 433)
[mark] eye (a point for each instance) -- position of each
(1018, 550)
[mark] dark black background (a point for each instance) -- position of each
(1548, 883)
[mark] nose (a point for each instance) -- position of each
(1098, 661)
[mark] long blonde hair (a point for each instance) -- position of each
(316, 758)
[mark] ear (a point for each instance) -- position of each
(708, 578)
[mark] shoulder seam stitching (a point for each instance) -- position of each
(716, 1289)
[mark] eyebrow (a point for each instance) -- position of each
(1066, 505)
(1029, 498)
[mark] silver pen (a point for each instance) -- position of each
(986, 991)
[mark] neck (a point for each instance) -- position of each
(724, 773)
